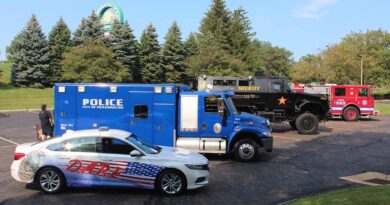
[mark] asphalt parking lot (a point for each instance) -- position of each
(299, 165)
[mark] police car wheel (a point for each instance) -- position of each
(246, 150)
(350, 114)
(307, 124)
(50, 180)
(171, 182)
(293, 124)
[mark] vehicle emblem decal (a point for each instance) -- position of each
(217, 128)
(282, 101)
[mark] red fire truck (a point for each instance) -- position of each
(349, 102)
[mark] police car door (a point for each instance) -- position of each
(121, 169)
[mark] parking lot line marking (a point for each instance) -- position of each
(8, 146)
(287, 138)
(7, 140)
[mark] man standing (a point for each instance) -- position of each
(46, 122)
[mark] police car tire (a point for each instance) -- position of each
(310, 120)
(350, 109)
(172, 172)
(61, 176)
(293, 124)
(247, 142)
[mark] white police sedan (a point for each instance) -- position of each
(107, 157)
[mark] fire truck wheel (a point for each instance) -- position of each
(351, 114)
(246, 150)
(293, 124)
(307, 124)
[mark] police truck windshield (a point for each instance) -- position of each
(146, 147)
(231, 105)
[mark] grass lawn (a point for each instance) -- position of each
(21, 98)
(383, 108)
(356, 196)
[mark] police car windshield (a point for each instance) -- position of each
(146, 147)
(231, 105)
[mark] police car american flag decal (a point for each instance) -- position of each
(139, 174)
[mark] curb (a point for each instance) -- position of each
(24, 110)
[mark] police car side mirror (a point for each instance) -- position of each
(135, 153)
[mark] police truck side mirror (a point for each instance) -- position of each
(221, 108)
(135, 153)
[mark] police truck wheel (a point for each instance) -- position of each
(293, 124)
(307, 124)
(351, 114)
(246, 150)
(171, 182)
(50, 180)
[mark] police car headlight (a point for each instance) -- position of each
(268, 134)
(198, 166)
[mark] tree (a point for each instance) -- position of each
(59, 42)
(92, 63)
(213, 60)
(191, 45)
(79, 36)
(216, 24)
(150, 57)
(90, 29)
(240, 34)
(30, 66)
(124, 46)
(340, 63)
(173, 55)
(13, 47)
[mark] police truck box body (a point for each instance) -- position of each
(163, 114)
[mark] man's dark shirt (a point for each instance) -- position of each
(44, 117)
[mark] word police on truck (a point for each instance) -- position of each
(272, 98)
(164, 114)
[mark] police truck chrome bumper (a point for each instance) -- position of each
(267, 143)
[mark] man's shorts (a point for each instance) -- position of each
(47, 131)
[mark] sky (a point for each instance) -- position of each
(301, 26)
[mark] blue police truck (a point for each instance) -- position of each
(163, 114)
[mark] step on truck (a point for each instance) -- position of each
(163, 114)
(271, 97)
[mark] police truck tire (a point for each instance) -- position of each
(171, 182)
(293, 124)
(50, 180)
(350, 114)
(307, 124)
(246, 150)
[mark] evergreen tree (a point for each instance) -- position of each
(59, 42)
(217, 24)
(124, 46)
(240, 33)
(173, 55)
(150, 57)
(13, 47)
(92, 63)
(90, 29)
(191, 45)
(94, 29)
(79, 36)
(30, 65)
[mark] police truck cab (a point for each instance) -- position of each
(163, 114)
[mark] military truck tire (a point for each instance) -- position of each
(350, 114)
(246, 150)
(293, 124)
(307, 124)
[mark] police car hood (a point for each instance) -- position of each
(183, 155)
(249, 119)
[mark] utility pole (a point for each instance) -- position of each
(361, 70)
